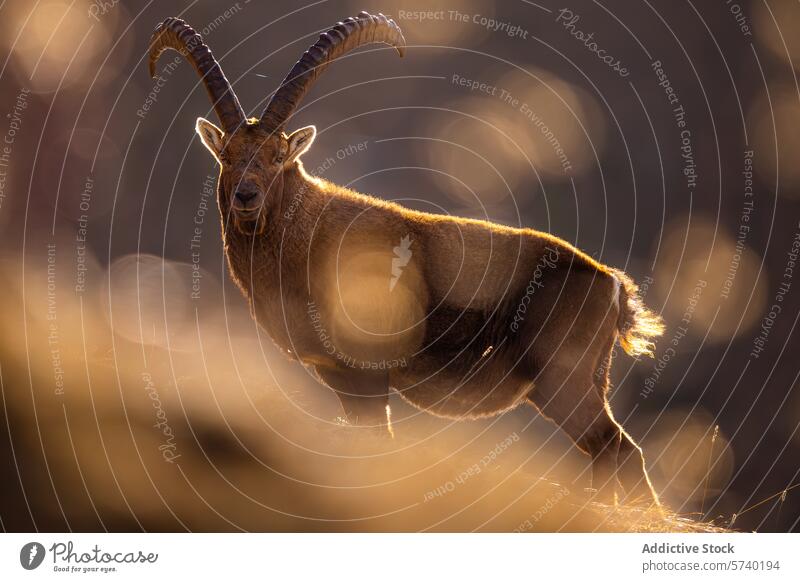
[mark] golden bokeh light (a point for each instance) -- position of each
(696, 279)
(524, 128)
(552, 116)
(773, 121)
(375, 316)
(464, 154)
(694, 458)
(58, 43)
(129, 343)
(147, 301)
(777, 27)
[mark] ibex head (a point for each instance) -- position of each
(254, 153)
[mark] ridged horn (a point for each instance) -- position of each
(175, 34)
(342, 38)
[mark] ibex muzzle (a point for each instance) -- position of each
(463, 318)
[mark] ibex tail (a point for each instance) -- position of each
(637, 325)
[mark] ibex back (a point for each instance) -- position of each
(463, 318)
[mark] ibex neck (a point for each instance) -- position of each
(256, 260)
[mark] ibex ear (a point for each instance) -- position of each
(300, 141)
(211, 136)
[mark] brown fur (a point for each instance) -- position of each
(480, 317)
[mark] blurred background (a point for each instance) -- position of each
(137, 393)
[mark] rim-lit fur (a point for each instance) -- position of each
(463, 318)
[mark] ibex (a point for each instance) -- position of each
(463, 318)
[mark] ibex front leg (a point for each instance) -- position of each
(364, 395)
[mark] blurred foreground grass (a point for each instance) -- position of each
(184, 418)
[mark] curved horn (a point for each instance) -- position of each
(342, 38)
(175, 34)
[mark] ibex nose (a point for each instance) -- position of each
(245, 196)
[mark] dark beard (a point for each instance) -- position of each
(250, 227)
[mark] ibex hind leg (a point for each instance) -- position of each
(633, 475)
(568, 397)
(631, 472)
